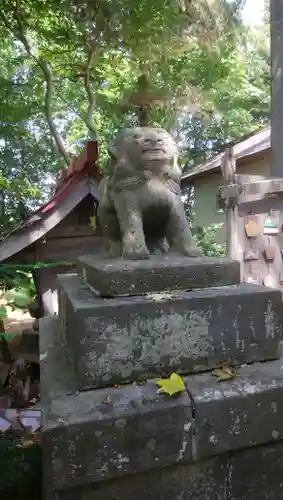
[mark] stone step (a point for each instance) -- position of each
(251, 474)
(120, 432)
(242, 412)
(121, 277)
(119, 340)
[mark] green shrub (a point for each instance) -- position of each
(17, 285)
(20, 476)
(206, 240)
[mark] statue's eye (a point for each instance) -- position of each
(136, 136)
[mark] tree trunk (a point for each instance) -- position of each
(20, 34)
(2, 204)
(144, 116)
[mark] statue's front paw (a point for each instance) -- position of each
(115, 250)
(136, 253)
(193, 252)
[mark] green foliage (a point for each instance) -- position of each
(206, 240)
(93, 222)
(17, 284)
(22, 292)
(21, 469)
(18, 298)
(3, 313)
(73, 71)
(11, 273)
(239, 97)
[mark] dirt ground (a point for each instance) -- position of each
(19, 356)
(17, 321)
(20, 450)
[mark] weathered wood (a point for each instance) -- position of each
(68, 249)
(276, 11)
(19, 240)
(71, 231)
(228, 169)
(247, 189)
(76, 223)
(242, 178)
(257, 190)
(259, 201)
(228, 195)
(26, 256)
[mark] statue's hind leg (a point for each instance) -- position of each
(159, 248)
(115, 249)
(110, 228)
(178, 231)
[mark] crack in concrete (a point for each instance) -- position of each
(228, 477)
(194, 428)
(229, 466)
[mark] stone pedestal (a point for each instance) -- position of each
(159, 274)
(108, 434)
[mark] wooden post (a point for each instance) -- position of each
(228, 168)
(276, 31)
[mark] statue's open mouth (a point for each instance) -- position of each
(154, 150)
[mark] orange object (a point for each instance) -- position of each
(252, 228)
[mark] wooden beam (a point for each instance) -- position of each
(276, 30)
(260, 189)
(242, 178)
(93, 189)
(247, 189)
(228, 169)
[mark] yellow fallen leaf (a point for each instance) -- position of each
(171, 385)
(107, 400)
(223, 373)
(61, 421)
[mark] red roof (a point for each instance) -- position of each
(83, 166)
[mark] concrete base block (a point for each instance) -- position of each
(128, 443)
(57, 376)
(205, 481)
(166, 273)
(254, 474)
(246, 411)
(93, 435)
(112, 341)
(99, 435)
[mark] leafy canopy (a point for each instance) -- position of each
(71, 71)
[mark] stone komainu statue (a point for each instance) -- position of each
(140, 208)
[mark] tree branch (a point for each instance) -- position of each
(73, 109)
(46, 70)
(90, 94)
